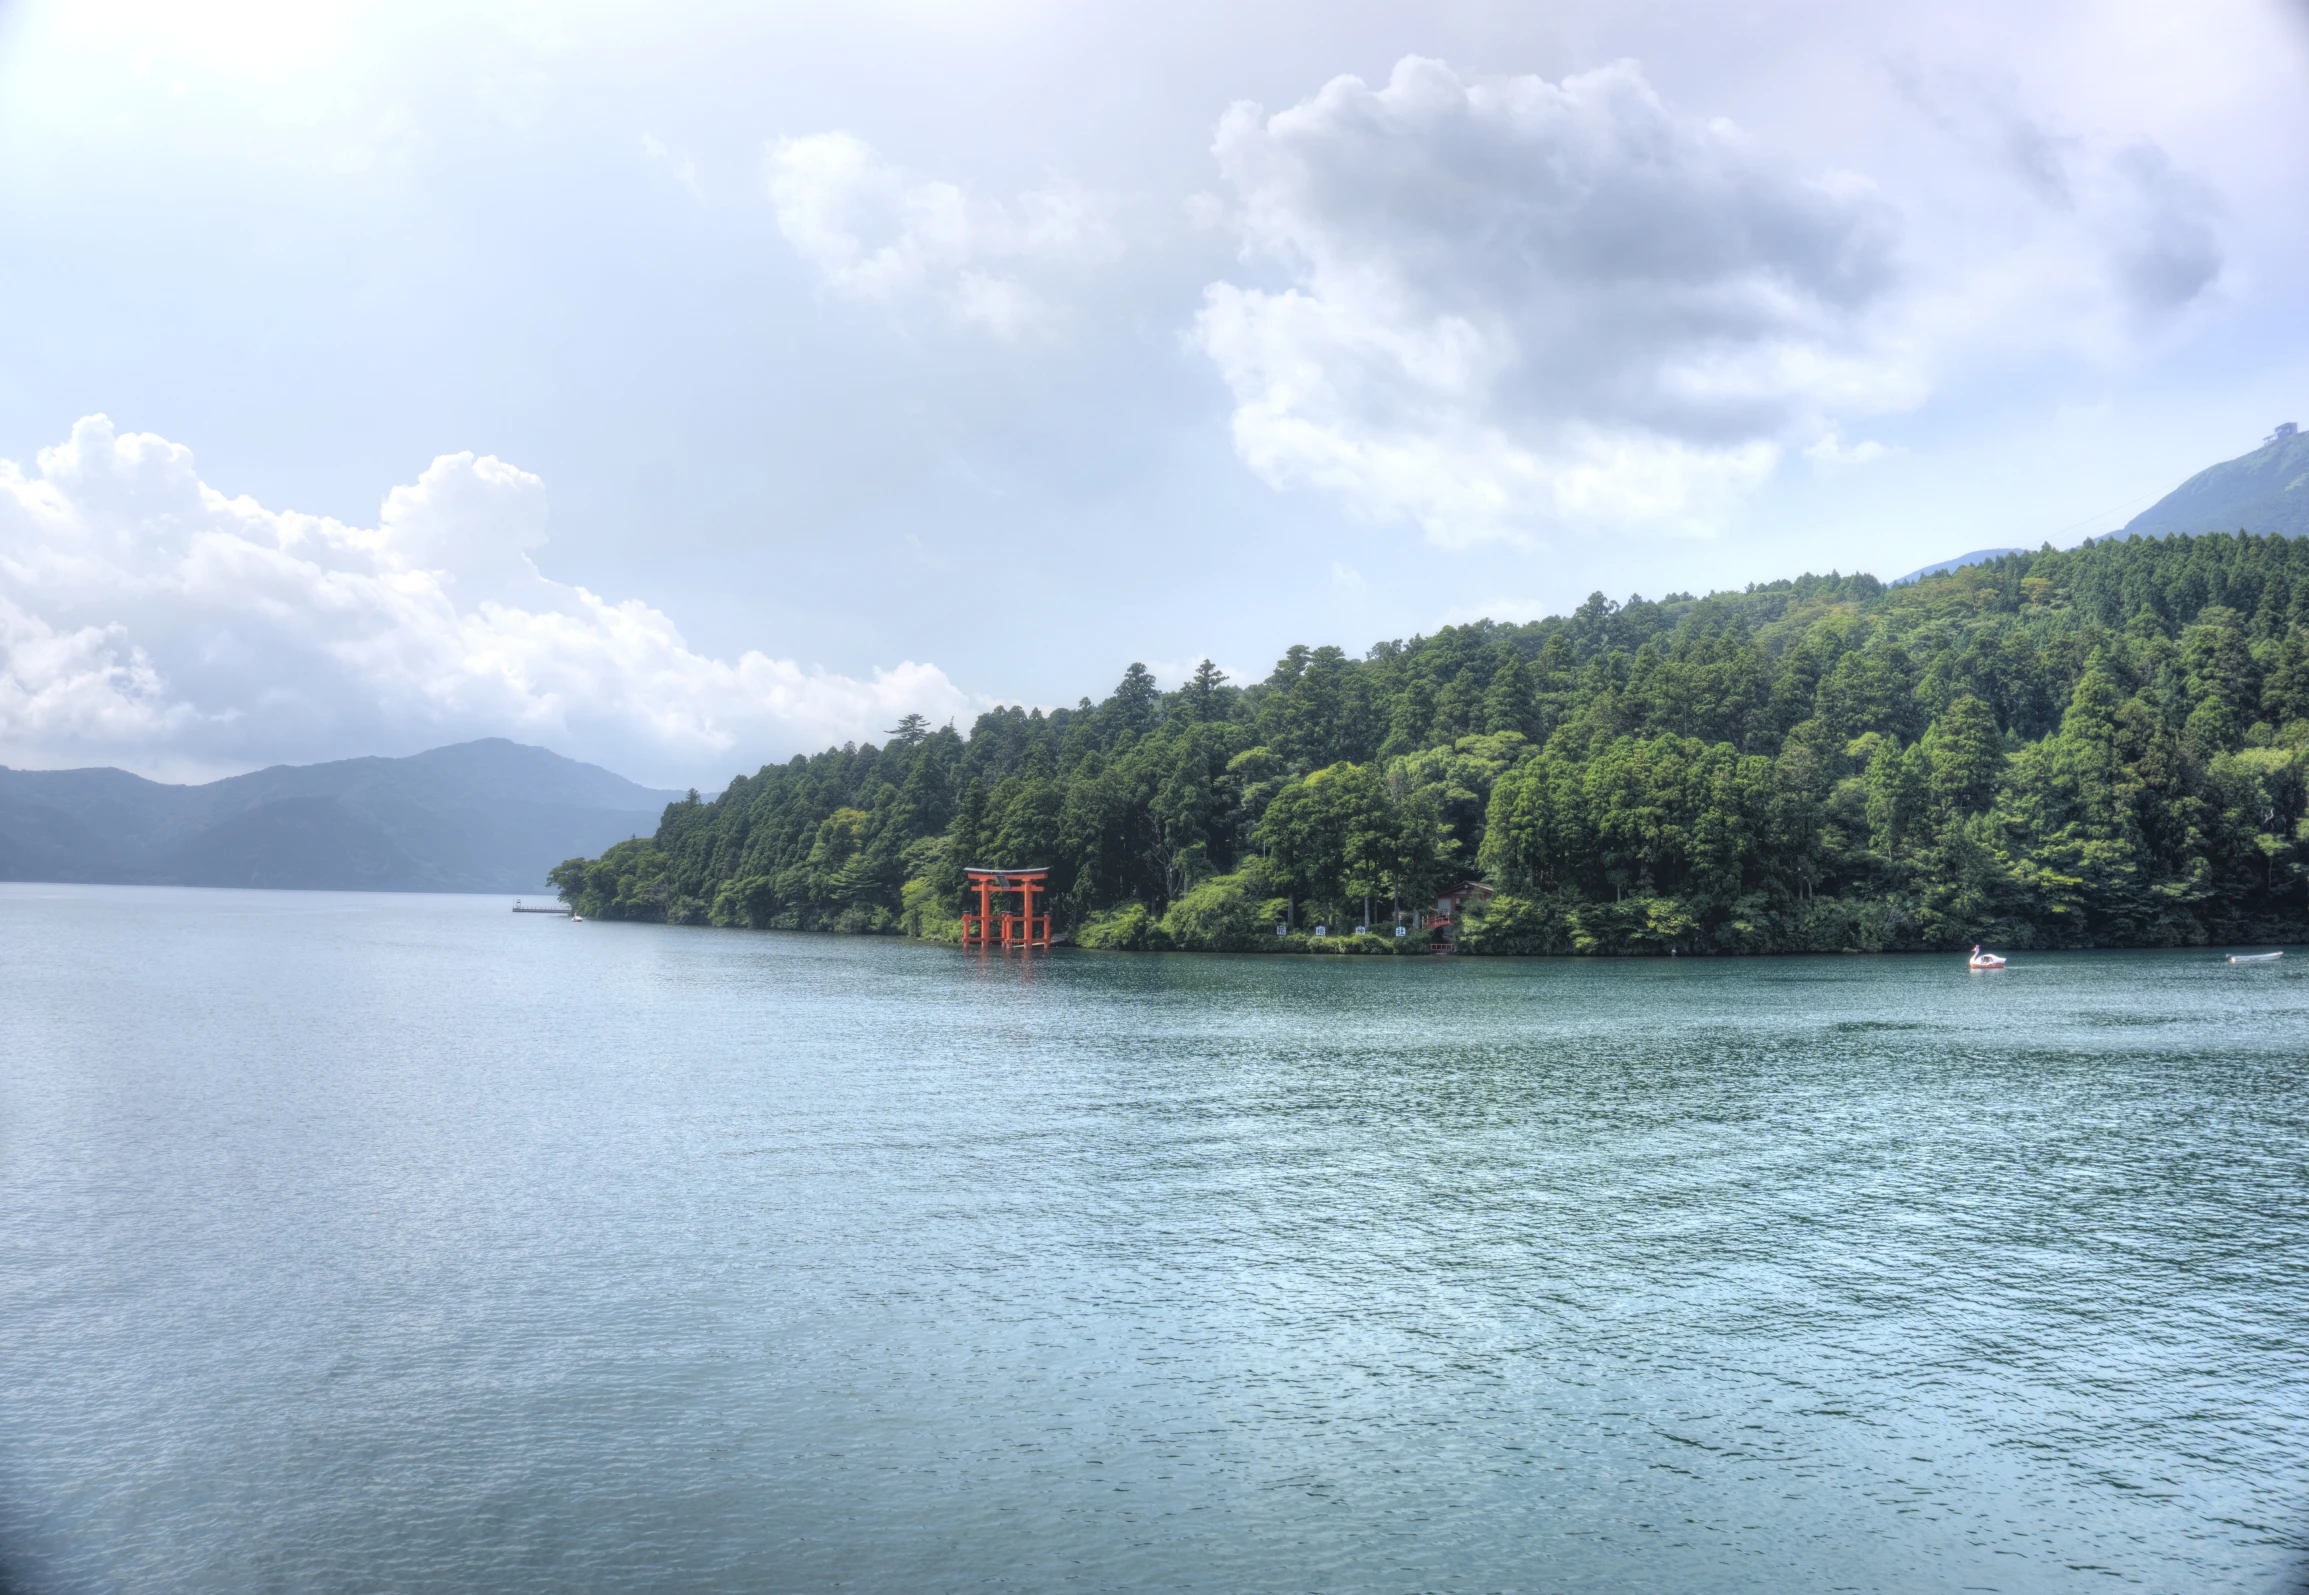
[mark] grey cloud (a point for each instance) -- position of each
(2040, 160)
(1613, 245)
(2162, 241)
(2151, 223)
(1987, 109)
(1512, 262)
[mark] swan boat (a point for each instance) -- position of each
(1985, 960)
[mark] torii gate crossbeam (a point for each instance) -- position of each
(1023, 929)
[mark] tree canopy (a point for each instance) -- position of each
(2105, 746)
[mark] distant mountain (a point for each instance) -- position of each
(1976, 557)
(489, 816)
(2264, 491)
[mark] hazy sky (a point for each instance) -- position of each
(690, 385)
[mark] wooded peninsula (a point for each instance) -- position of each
(2100, 747)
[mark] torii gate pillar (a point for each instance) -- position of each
(1023, 929)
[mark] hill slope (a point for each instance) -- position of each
(483, 816)
(2264, 491)
(2097, 747)
(1979, 556)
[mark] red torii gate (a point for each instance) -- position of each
(1027, 929)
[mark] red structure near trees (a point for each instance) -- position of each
(1450, 906)
(1023, 929)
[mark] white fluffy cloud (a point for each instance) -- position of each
(1524, 306)
(875, 232)
(1502, 309)
(149, 620)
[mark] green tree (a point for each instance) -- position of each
(1966, 758)
(2067, 747)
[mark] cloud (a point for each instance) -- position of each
(874, 232)
(2160, 230)
(1523, 307)
(1509, 611)
(681, 168)
(1831, 453)
(149, 620)
(2119, 231)
(1171, 674)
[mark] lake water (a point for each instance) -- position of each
(371, 1243)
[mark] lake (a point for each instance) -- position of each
(392, 1243)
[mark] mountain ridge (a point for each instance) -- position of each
(2265, 491)
(483, 816)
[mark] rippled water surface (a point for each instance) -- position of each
(404, 1244)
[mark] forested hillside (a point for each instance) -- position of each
(2100, 747)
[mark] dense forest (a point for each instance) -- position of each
(2106, 746)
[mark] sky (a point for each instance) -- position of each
(691, 385)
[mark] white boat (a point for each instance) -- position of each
(1984, 960)
(2255, 958)
(577, 919)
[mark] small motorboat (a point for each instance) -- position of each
(1985, 960)
(2255, 958)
